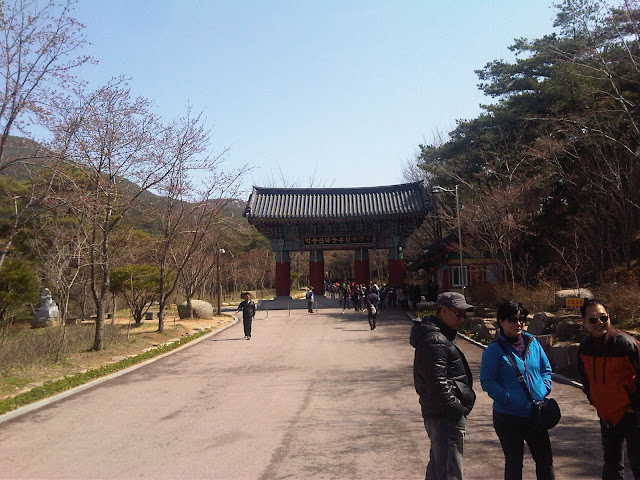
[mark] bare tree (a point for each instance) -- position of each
(256, 268)
(194, 194)
(110, 142)
(197, 270)
(39, 47)
(40, 43)
(62, 250)
(280, 178)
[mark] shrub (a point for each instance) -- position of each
(540, 298)
(622, 301)
(489, 294)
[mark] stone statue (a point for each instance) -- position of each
(47, 313)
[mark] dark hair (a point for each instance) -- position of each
(590, 302)
(511, 309)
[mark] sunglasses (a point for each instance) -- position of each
(602, 318)
(515, 319)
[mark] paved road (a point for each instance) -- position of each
(310, 396)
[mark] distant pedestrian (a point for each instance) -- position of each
(357, 298)
(310, 299)
(511, 404)
(443, 381)
(248, 312)
(401, 297)
(609, 368)
(346, 295)
(373, 304)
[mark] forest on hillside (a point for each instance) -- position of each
(549, 173)
(120, 201)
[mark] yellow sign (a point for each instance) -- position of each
(574, 302)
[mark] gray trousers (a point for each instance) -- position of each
(447, 439)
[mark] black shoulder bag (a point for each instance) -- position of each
(545, 413)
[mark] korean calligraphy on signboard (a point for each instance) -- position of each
(338, 240)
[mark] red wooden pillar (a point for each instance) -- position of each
(395, 267)
(316, 271)
(283, 274)
(361, 266)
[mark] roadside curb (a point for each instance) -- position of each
(67, 393)
(556, 377)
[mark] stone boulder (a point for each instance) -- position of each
(634, 333)
(485, 330)
(470, 322)
(201, 309)
(540, 323)
(563, 356)
(481, 311)
(569, 328)
(546, 342)
(562, 295)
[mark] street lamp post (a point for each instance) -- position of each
(436, 189)
(218, 252)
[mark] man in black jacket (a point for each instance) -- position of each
(248, 312)
(443, 381)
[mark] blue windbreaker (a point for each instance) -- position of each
(501, 383)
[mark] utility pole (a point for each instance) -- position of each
(218, 252)
(437, 188)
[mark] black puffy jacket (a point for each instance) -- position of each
(441, 373)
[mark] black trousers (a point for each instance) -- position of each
(246, 323)
(512, 432)
(372, 318)
(613, 439)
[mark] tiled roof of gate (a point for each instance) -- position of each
(280, 204)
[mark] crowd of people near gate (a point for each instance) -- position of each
(406, 297)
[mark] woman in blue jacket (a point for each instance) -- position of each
(511, 407)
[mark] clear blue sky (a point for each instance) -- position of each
(345, 89)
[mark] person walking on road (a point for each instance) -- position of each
(248, 312)
(346, 295)
(373, 304)
(511, 405)
(443, 381)
(310, 299)
(358, 293)
(609, 368)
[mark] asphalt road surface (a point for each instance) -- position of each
(310, 396)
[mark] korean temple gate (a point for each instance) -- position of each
(319, 219)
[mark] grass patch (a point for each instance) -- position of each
(46, 346)
(54, 387)
(14, 382)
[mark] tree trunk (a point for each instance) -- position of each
(189, 306)
(113, 312)
(98, 343)
(163, 298)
